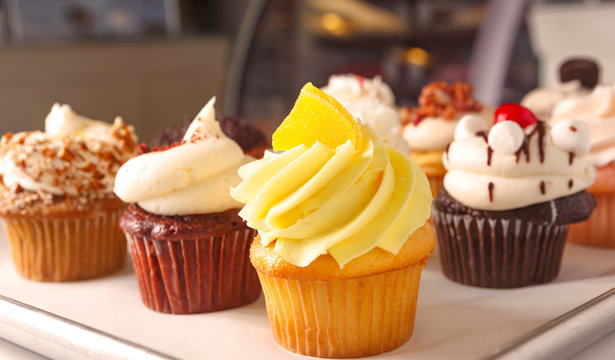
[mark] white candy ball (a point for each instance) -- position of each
(506, 137)
(469, 125)
(571, 135)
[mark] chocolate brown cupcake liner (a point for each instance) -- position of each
(344, 318)
(599, 229)
(66, 249)
(195, 275)
(497, 252)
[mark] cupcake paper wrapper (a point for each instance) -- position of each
(66, 249)
(599, 230)
(498, 253)
(195, 275)
(343, 318)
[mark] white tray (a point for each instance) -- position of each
(453, 321)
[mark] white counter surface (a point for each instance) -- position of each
(453, 320)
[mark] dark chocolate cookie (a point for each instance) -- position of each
(585, 70)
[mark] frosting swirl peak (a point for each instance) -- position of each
(193, 177)
(316, 200)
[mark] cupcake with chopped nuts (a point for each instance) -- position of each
(509, 196)
(56, 196)
(430, 127)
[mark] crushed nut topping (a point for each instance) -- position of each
(69, 165)
(439, 99)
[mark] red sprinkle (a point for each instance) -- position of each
(360, 79)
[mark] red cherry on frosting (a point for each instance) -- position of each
(515, 112)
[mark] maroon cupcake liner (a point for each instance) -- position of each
(498, 252)
(195, 275)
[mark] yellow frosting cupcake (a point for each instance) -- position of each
(342, 229)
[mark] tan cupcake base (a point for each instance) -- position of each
(344, 318)
(66, 249)
(431, 163)
(435, 183)
(599, 229)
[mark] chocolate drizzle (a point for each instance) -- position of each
(491, 186)
(543, 189)
(570, 158)
(489, 155)
(525, 147)
(570, 183)
(483, 134)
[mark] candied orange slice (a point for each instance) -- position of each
(317, 116)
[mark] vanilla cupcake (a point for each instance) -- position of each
(597, 110)
(372, 102)
(56, 200)
(189, 247)
(509, 196)
(430, 127)
(341, 218)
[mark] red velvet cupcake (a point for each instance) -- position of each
(188, 245)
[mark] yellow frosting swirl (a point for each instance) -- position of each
(317, 200)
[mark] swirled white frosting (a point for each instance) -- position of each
(372, 102)
(75, 155)
(542, 100)
(482, 178)
(194, 177)
(436, 133)
(597, 109)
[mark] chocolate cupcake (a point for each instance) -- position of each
(509, 196)
(188, 245)
(56, 196)
(251, 139)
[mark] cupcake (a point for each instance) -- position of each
(372, 102)
(578, 77)
(341, 219)
(251, 139)
(509, 196)
(430, 127)
(189, 247)
(597, 110)
(56, 196)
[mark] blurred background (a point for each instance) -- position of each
(157, 62)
